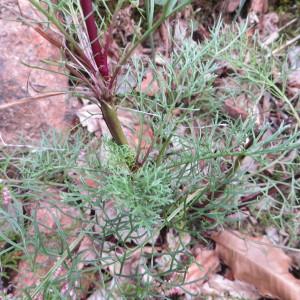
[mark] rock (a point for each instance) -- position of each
(20, 44)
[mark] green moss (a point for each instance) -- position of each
(285, 6)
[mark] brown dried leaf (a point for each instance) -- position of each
(294, 57)
(91, 117)
(257, 261)
(181, 31)
(165, 37)
(149, 85)
(235, 111)
(124, 265)
(205, 265)
(264, 108)
(249, 164)
(207, 262)
(269, 26)
(259, 6)
(175, 242)
(124, 25)
(17, 81)
(231, 5)
(294, 82)
(220, 288)
(242, 104)
(51, 214)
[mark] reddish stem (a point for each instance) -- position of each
(100, 55)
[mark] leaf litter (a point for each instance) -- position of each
(258, 262)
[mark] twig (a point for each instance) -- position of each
(287, 25)
(287, 44)
(30, 99)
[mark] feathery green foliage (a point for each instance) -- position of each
(192, 179)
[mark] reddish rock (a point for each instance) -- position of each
(20, 44)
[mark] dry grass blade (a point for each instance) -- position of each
(287, 44)
(30, 99)
(257, 261)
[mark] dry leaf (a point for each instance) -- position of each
(257, 261)
(294, 57)
(6, 197)
(269, 25)
(124, 26)
(11, 207)
(26, 277)
(294, 82)
(264, 108)
(259, 6)
(249, 164)
(123, 265)
(231, 6)
(149, 85)
(234, 110)
(221, 288)
(175, 242)
(100, 294)
(181, 32)
(242, 104)
(207, 262)
(87, 252)
(91, 117)
(125, 83)
(165, 37)
(239, 216)
(50, 216)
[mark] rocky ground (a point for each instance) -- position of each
(20, 48)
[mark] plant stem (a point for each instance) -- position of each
(163, 150)
(99, 53)
(113, 123)
(150, 13)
